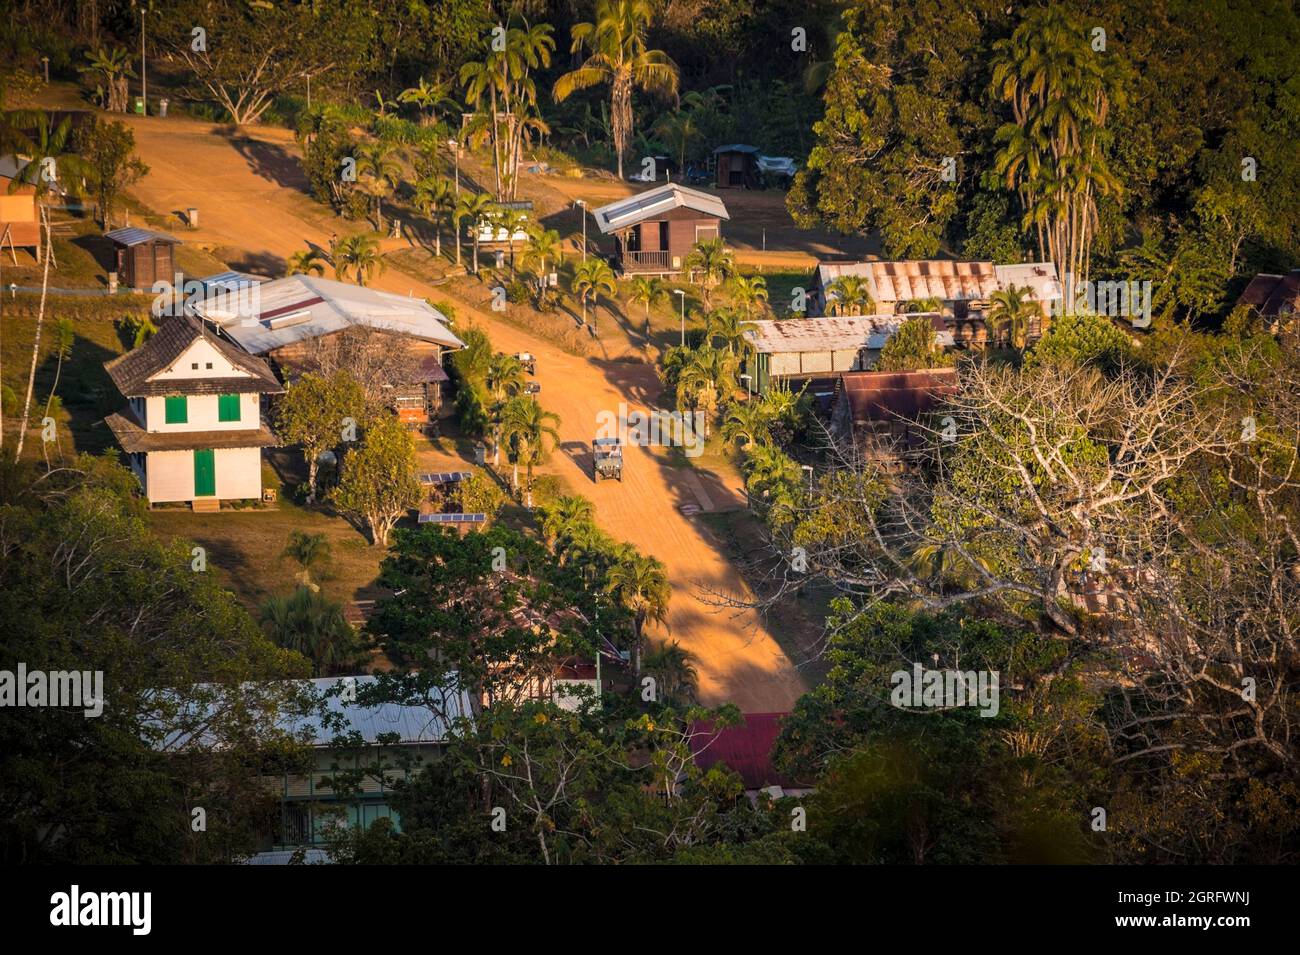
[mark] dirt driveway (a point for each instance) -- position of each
(247, 198)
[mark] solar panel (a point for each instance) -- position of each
(453, 518)
(443, 477)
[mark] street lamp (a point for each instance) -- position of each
(749, 384)
(808, 468)
(682, 295)
(455, 148)
(583, 203)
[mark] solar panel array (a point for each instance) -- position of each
(443, 477)
(452, 518)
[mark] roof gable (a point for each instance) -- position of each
(137, 372)
(654, 202)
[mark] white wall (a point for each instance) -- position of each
(201, 410)
(170, 474)
(202, 353)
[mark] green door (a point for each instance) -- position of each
(205, 473)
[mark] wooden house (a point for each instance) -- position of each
(193, 427)
(878, 414)
(796, 350)
(655, 230)
(143, 257)
(1276, 299)
(287, 320)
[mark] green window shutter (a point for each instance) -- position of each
(228, 407)
(177, 409)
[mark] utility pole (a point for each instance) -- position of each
(144, 76)
(583, 204)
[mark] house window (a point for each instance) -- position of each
(208, 366)
(228, 407)
(194, 366)
(177, 410)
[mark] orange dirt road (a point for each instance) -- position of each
(248, 198)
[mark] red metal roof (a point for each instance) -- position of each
(746, 748)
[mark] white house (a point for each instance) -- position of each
(193, 427)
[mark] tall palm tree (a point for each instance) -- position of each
(530, 430)
(1010, 308)
(726, 324)
(619, 57)
(749, 292)
(852, 295)
(475, 208)
(357, 257)
(678, 130)
(647, 290)
(309, 261)
(640, 584)
(504, 380)
(544, 247)
(512, 221)
(378, 173)
(50, 165)
(435, 196)
(590, 278)
(713, 262)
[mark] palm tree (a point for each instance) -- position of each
(544, 247)
(115, 67)
(435, 196)
(512, 221)
(590, 278)
(49, 165)
(475, 208)
(309, 623)
(647, 290)
(306, 549)
(529, 429)
(357, 256)
(749, 422)
(64, 336)
(563, 516)
(714, 263)
(673, 668)
(309, 261)
(620, 58)
(726, 324)
(852, 295)
(504, 379)
(641, 586)
(1010, 308)
(378, 172)
(678, 129)
(749, 291)
(931, 304)
(503, 78)
(429, 98)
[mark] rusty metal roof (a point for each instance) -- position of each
(832, 334)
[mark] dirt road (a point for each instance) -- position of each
(248, 199)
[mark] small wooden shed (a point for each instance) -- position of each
(143, 257)
(737, 166)
(655, 230)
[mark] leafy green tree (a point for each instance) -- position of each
(188, 713)
(107, 150)
(377, 482)
(912, 347)
(314, 413)
(114, 66)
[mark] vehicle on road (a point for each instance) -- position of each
(528, 361)
(608, 456)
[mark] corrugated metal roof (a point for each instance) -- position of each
(1272, 295)
(951, 281)
(135, 236)
(1039, 277)
(412, 724)
(746, 748)
(889, 395)
(830, 334)
(247, 313)
(735, 148)
(652, 202)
